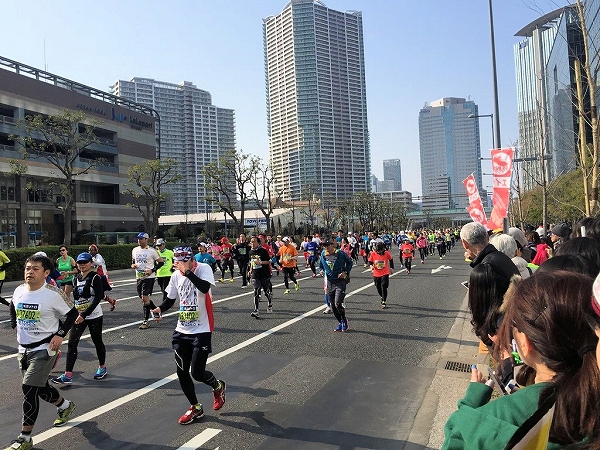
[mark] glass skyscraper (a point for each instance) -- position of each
(193, 132)
(450, 151)
(392, 171)
(316, 101)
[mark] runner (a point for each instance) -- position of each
(406, 254)
(422, 246)
(260, 274)
(67, 267)
(36, 309)
(288, 255)
(146, 261)
(226, 259)
(88, 291)
(99, 265)
(190, 284)
(336, 265)
(163, 274)
(382, 265)
(240, 253)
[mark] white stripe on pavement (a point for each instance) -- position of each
(201, 439)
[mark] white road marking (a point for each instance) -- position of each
(201, 439)
(50, 433)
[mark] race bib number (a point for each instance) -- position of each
(379, 264)
(256, 263)
(188, 314)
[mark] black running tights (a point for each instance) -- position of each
(31, 403)
(187, 356)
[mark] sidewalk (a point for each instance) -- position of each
(453, 372)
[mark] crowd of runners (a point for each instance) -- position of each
(61, 298)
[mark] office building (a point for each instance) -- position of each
(392, 171)
(30, 211)
(546, 95)
(450, 152)
(194, 133)
(316, 101)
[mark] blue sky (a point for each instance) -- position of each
(415, 51)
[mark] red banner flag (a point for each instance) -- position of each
(475, 208)
(502, 160)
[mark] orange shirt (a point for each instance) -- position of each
(286, 254)
(406, 250)
(380, 263)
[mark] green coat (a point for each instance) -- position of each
(483, 424)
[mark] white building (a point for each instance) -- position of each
(316, 101)
(193, 132)
(450, 152)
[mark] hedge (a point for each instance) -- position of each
(116, 256)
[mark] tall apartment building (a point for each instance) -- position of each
(450, 152)
(316, 101)
(193, 132)
(392, 171)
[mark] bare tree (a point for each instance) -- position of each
(228, 181)
(262, 189)
(589, 155)
(61, 140)
(311, 206)
(145, 186)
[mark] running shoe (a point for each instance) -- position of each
(270, 307)
(111, 301)
(314, 275)
(383, 305)
(287, 291)
(145, 325)
(192, 414)
(219, 395)
(297, 286)
(20, 444)
(327, 310)
(100, 373)
(63, 379)
(255, 313)
(231, 280)
(63, 416)
(345, 324)
(221, 280)
(339, 327)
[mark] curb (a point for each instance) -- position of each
(448, 385)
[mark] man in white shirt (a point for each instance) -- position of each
(36, 309)
(190, 284)
(146, 261)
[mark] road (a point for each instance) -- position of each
(292, 383)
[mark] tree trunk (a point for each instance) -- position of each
(582, 140)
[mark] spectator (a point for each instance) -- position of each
(560, 234)
(544, 315)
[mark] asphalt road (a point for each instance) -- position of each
(292, 383)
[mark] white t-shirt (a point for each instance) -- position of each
(144, 258)
(99, 265)
(38, 313)
(83, 303)
(193, 317)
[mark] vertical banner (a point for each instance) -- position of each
(502, 160)
(475, 208)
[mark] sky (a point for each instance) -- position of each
(415, 52)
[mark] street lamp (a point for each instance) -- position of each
(491, 116)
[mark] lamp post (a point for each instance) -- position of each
(491, 116)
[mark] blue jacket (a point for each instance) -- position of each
(332, 270)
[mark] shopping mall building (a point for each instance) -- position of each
(30, 213)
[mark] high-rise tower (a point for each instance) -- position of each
(392, 171)
(316, 101)
(450, 152)
(193, 132)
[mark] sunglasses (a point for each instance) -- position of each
(63, 250)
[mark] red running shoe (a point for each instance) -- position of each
(192, 414)
(219, 395)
